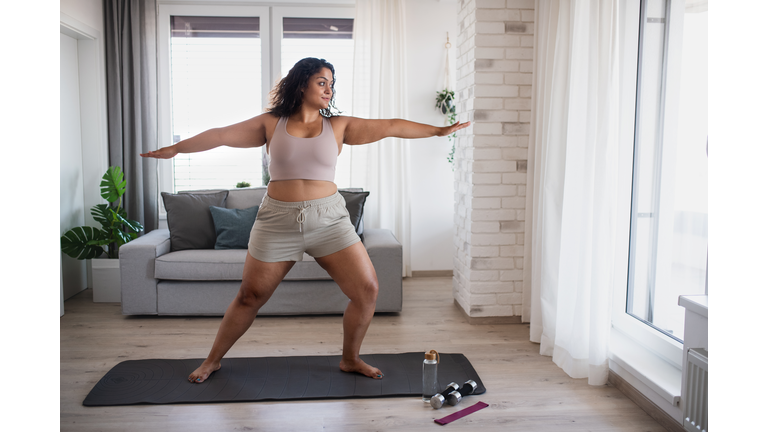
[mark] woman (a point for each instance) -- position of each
(304, 138)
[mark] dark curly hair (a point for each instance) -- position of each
(285, 98)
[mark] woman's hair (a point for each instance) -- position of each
(285, 98)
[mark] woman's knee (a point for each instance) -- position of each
(250, 296)
(369, 291)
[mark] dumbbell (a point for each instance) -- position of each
(455, 397)
(439, 399)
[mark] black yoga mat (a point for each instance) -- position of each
(162, 381)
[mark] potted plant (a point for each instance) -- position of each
(444, 102)
(86, 243)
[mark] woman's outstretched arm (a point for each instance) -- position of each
(249, 133)
(364, 131)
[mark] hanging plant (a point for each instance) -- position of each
(444, 103)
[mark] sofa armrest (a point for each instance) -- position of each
(138, 285)
(387, 257)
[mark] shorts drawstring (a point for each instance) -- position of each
(288, 208)
(301, 217)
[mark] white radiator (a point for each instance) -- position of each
(695, 391)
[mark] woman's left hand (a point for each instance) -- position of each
(448, 130)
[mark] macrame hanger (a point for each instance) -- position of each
(447, 74)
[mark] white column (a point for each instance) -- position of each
(495, 65)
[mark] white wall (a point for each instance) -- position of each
(427, 22)
(83, 159)
(71, 210)
(86, 17)
(89, 12)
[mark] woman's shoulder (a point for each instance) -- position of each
(339, 120)
(265, 122)
(267, 118)
(339, 123)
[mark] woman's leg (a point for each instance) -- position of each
(352, 269)
(260, 279)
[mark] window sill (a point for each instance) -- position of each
(660, 376)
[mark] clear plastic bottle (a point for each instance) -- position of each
(430, 386)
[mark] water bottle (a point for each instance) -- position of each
(430, 387)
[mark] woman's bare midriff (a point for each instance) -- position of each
(300, 190)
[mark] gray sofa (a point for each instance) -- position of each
(156, 281)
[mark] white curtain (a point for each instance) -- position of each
(380, 92)
(574, 150)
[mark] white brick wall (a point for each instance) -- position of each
(495, 72)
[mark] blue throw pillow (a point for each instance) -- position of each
(233, 226)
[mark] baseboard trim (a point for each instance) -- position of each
(432, 273)
(647, 405)
(489, 320)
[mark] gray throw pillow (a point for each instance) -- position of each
(233, 226)
(190, 220)
(355, 204)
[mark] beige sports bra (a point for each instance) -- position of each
(294, 158)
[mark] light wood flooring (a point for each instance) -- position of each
(525, 391)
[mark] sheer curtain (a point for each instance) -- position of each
(380, 92)
(574, 150)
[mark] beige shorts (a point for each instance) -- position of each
(283, 231)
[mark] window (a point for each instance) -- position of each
(217, 65)
(215, 81)
(668, 222)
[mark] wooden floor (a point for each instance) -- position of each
(525, 391)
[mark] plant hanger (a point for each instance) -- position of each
(445, 98)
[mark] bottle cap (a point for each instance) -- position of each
(432, 355)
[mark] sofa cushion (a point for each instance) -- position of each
(190, 221)
(245, 197)
(233, 226)
(240, 198)
(355, 206)
(225, 264)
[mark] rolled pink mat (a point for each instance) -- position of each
(459, 414)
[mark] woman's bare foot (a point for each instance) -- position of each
(203, 372)
(360, 367)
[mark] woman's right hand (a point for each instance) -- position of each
(163, 153)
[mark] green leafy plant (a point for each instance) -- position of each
(243, 184)
(116, 229)
(444, 103)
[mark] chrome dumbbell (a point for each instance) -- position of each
(455, 396)
(437, 401)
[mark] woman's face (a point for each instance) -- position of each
(318, 92)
